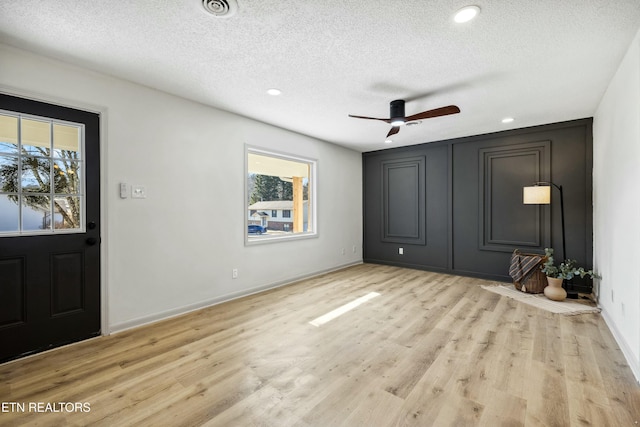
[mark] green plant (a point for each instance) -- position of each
(566, 270)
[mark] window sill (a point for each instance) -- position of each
(264, 239)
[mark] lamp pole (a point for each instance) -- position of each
(559, 187)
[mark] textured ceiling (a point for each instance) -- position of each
(539, 61)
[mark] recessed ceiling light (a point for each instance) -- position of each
(508, 120)
(466, 14)
(274, 92)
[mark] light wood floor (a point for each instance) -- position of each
(432, 349)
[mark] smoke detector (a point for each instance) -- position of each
(220, 8)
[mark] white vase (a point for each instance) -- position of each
(554, 290)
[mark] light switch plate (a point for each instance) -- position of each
(138, 192)
(123, 190)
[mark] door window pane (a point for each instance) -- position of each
(66, 141)
(41, 190)
(36, 137)
(36, 212)
(8, 174)
(8, 134)
(36, 174)
(67, 212)
(9, 213)
(66, 177)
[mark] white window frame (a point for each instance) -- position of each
(313, 197)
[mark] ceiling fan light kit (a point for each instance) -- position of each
(396, 108)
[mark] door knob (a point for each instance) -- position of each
(91, 241)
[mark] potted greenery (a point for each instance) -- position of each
(557, 274)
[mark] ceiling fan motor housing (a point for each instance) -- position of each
(397, 109)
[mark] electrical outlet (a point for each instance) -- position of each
(234, 273)
(342, 251)
(400, 251)
(354, 250)
(611, 295)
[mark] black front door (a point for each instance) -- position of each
(49, 226)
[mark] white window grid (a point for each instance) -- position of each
(52, 194)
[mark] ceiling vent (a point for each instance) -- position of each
(220, 8)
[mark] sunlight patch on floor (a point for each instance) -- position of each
(342, 310)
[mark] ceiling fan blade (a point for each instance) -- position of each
(442, 111)
(393, 131)
(370, 118)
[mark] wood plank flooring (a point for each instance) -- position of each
(431, 349)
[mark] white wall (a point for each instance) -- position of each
(616, 145)
(175, 250)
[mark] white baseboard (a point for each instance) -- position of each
(156, 317)
(633, 362)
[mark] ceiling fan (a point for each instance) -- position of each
(397, 117)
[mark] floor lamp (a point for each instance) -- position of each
(540, 194)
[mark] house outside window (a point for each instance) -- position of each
(286, 213)
(274, 214)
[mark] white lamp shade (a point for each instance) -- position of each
(537, 195)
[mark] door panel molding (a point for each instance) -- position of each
(403, 201)
(505, 222)
(67, 278)
(12, 292)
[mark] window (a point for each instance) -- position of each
(280, 182)
(41, 175)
